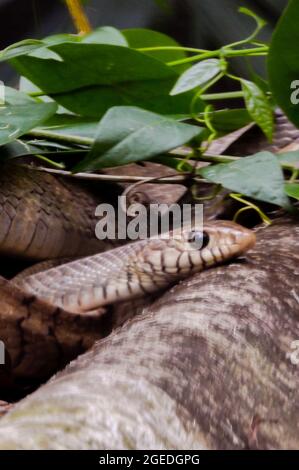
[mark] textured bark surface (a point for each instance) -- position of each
(40, 338)
(208, 365)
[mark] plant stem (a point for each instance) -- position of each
(218, 158)
(118, 179)
(36, 94)
(245, 52)
(249, 205)
(294, 176)
(222, 96)
(71, 139)
(198, 95)
(252, 51)
(61, 166)
(79, 17)
(197, 57)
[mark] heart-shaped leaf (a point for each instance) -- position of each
(127, 134)
(259, 107)
(258, 176)
(197, 76)
(20, 48)
(85, 65)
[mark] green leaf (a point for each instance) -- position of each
(94, 77)
(146, 38)
(18, 148)
(260, 82)
(258, 176)
(85, 65)
(127, 134)
(61, 38)
(292, 190)
(95, 101)
(13, 97)
(197, 76)
(35, 48)
(20, 114)
(51, 146)
(105, 35)
(283, 63)
(258, 107)
(20, 48)
(28, 87)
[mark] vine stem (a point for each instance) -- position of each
(198, 95)
(49, 162)
(71, 139)
(252, 51)
(79, 17)
(118, 179)
(197, 57)
(249, 205)
(222, 96)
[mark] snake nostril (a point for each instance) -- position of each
(198, 240)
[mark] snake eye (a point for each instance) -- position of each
(199, 239)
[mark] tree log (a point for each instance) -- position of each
(209, 365)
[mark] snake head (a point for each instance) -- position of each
(191, 250)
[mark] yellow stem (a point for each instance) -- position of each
(79, 17)
(249, 205)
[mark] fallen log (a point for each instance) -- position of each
(209, 365)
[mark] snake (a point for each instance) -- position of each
(139, 268)
(51, 313)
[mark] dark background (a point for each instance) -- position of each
(198, 23)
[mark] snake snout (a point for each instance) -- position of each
(246, 239)
(232, 238)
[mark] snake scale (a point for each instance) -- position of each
(49, 317)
